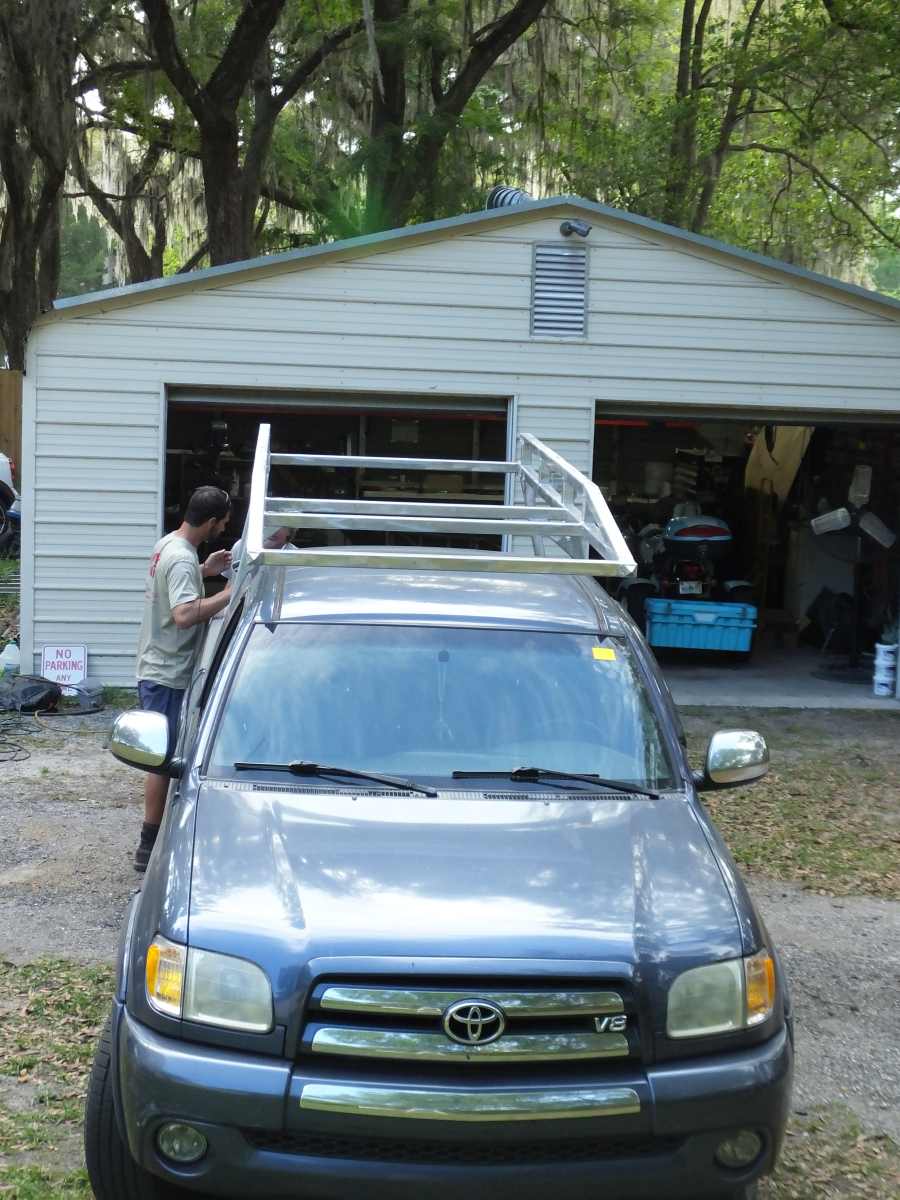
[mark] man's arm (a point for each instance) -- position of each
(195, 612)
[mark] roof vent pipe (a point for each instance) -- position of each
(506, 197)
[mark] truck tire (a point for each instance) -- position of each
(113, 1173)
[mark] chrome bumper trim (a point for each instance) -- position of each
(470, 1104)
(432, 1002)
(422, 1046)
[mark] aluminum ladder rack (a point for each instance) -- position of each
(559, 509)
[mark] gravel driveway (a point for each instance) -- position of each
(69, 817)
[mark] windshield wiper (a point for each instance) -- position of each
(533, 774)
(311, 768)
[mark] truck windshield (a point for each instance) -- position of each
(428, 701)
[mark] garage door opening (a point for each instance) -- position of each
(211, 437)
(802, 520)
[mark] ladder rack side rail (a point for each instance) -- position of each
(591, 497)
(591, 533)
(252, 548)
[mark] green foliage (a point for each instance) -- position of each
(83, 253)
(886, 270)
(779, 135)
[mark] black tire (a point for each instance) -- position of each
(4, 519)
(113, 1173)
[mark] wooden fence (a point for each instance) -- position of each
(11, 415)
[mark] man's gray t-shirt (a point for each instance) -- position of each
(165, 652)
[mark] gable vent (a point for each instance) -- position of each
(559, 291)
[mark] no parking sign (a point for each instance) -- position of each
(64, 665)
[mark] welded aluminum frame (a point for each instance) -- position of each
(561, 511)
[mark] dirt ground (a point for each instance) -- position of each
(69, 818)
(70, 815)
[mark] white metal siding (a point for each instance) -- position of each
(669, 324)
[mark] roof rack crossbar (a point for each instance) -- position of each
(415, 523)
(555, 506)
(352, 462)
(276, 509)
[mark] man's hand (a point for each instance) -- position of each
(216, 563)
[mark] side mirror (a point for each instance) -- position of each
(734, 757)
(141, 739)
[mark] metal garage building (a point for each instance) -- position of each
(493, 323)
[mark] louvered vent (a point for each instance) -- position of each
(559, 291)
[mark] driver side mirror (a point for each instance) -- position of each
(734, 757)
(141, 739)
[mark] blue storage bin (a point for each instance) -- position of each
(700, 624)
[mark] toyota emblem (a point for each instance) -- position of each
(474, 1022)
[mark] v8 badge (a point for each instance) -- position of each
(610, 1024)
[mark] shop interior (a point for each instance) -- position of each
(813, 513)
(210, 442)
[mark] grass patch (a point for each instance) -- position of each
(827, 815)
(35, 1183)
(119, 697)
(51, 1014)
(826, 1156)
(9, 605)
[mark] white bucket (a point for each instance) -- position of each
(885, 655)
(884, 679)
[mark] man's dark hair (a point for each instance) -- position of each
(207, 502)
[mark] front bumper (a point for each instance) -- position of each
(274, 1132)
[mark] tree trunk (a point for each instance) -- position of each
(386, 162)
(230, 230)
(420, 174)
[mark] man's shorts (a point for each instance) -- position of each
(156, 697)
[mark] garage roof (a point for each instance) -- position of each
(468, 222)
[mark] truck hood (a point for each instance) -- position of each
(299, 875)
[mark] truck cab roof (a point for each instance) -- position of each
(366, 595)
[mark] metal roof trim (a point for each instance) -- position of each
(370, 243)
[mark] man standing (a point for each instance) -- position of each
(174, 611)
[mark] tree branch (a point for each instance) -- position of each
(162, 34)
(485, 52)
(198, 254)
(312, 62)
(98, 76)
(821, 179)
(228, 81)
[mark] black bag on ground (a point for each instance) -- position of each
(28, 693)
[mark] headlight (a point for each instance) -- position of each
(722, 997)
(227, 991)
(213, 989)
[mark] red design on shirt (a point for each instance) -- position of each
(154, 562)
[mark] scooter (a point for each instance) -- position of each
(680, 561)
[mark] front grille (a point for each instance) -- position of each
(466, 1153)
(382, 1021)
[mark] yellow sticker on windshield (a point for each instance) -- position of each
(604, 653)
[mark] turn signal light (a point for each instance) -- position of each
(759, 973)
(165, 976)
